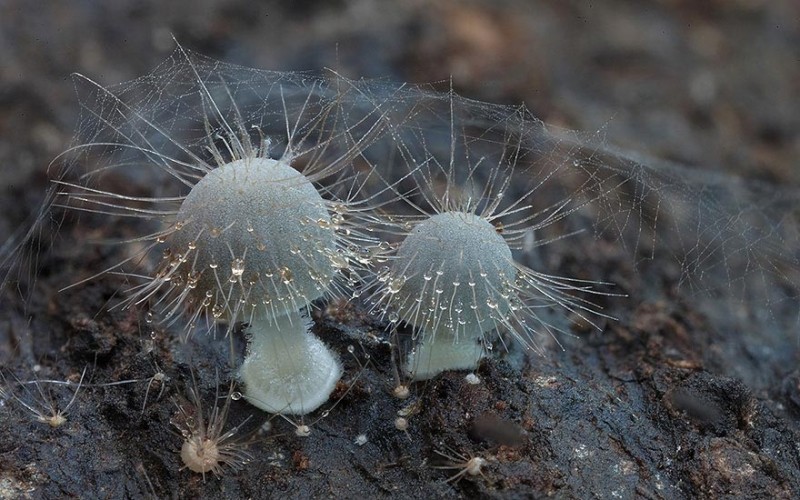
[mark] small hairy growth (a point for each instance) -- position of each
(42, 404)
(471, 466)
(207, 445)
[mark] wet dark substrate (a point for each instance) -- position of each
(635, 410)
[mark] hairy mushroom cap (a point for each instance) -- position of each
(257, 234)
(451, 271)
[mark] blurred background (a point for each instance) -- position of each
(712, 83)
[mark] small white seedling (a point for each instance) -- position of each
(472, 379)
(207, 446)
(401, 424)
(158, 379)
(467, 466)
(42, 404)
(251, 234)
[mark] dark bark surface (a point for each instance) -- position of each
(669, 401)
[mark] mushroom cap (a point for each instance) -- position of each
(452, 275)
(256, 233)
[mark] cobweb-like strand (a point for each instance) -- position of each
(561, 198)
(729, 243)
(142, 146)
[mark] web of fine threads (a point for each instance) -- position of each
(729, 241)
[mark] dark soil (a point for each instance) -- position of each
(668, 401)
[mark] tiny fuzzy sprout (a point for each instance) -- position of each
(401, 389)
(302, 431)
(472, 466)
(401, 392)
(401, 424)
(246, 218)
(42, 404)
(207, 446)
(472, 379)
(455, 276)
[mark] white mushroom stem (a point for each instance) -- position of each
(287, 369)
(443, 352)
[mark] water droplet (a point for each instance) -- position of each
(364, 255)
(339, 261)
(236, 395)
(396, 284)
(237, 267)
(215, 232)
(286, 275)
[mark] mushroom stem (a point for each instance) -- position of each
(443, 352)
(287, 369)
